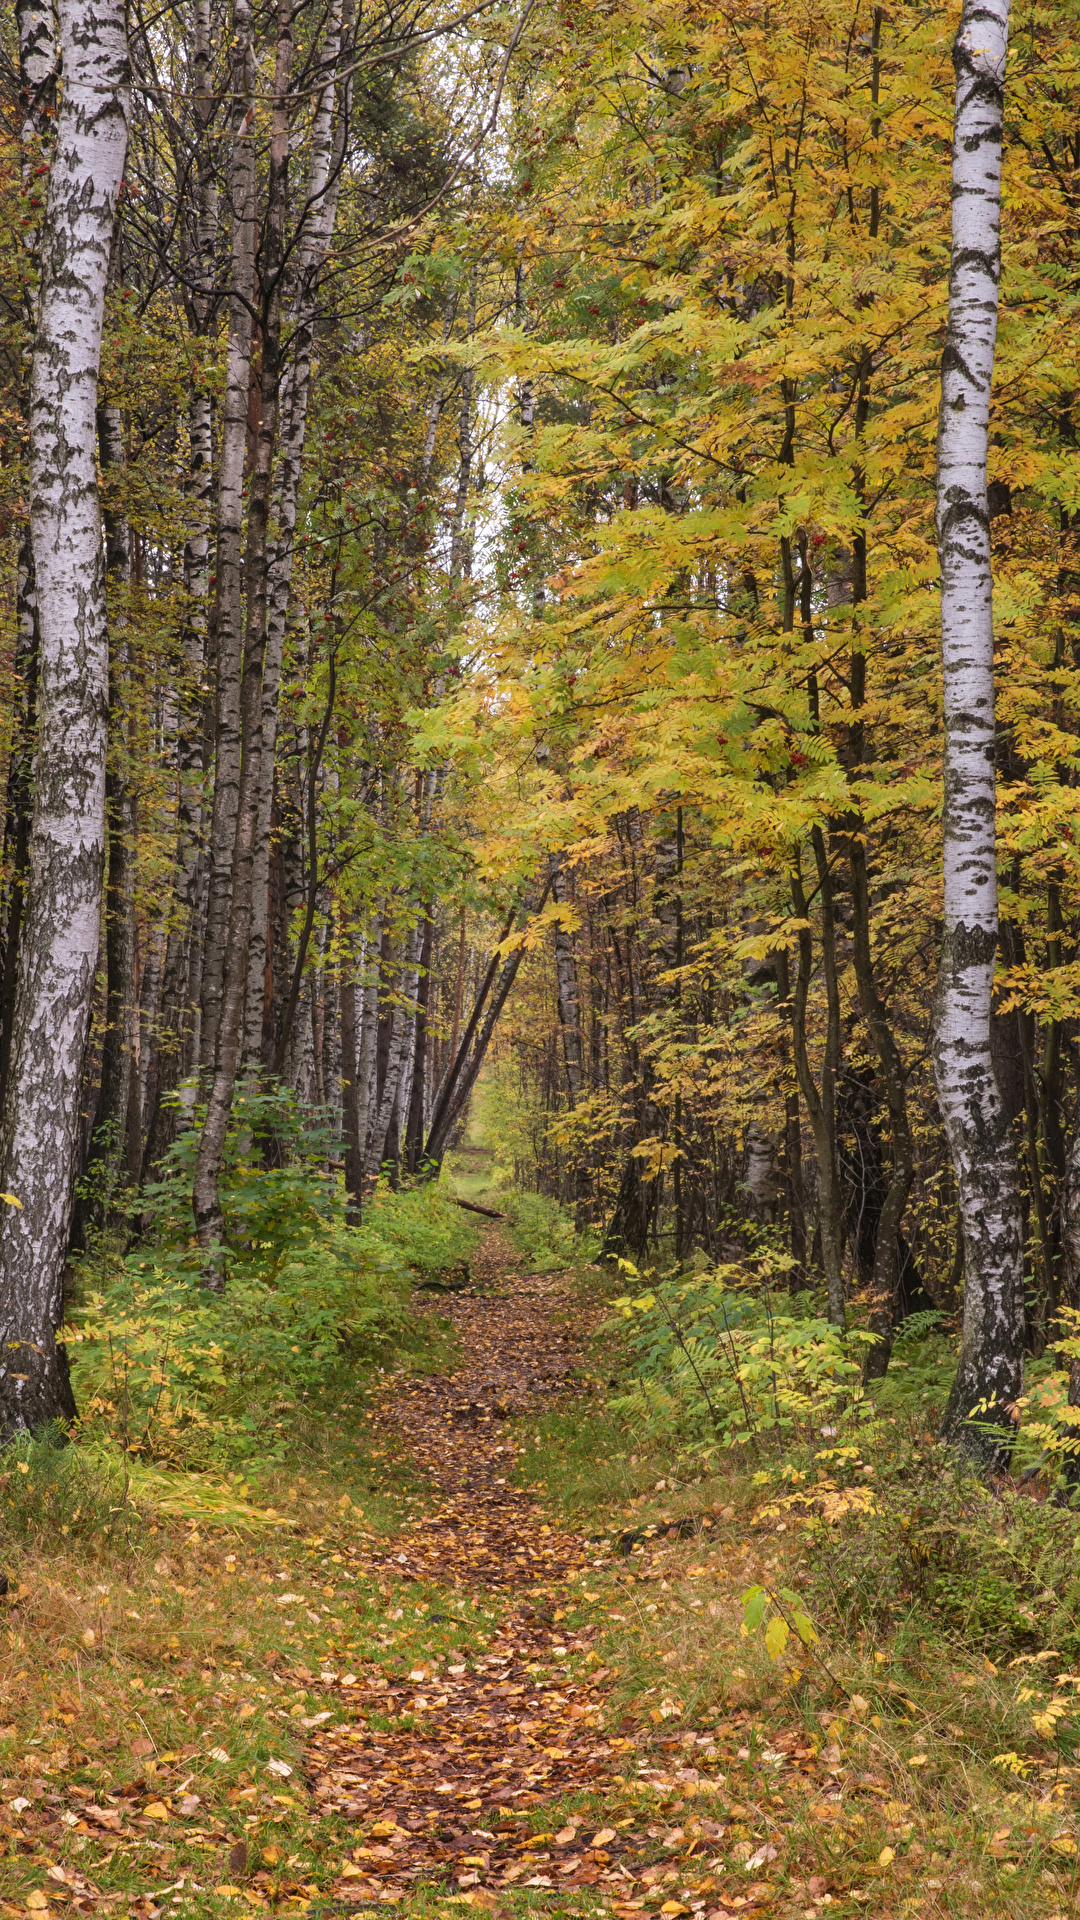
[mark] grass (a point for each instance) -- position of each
(160, 1665)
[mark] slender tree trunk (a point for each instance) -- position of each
(177, 1041)
(414, 1107)
(990, 1373)
(820, 1106)
(61, 928)
(567, 988)
(206, 1195)
(350, 1103)
(369, 1035)
(228, 604)
(118, 1044)
(321, 198)
(888, 1242)
(401, 1028)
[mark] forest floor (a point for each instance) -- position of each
(480, 1663)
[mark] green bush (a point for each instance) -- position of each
(175, 1373)
(545, 1232)
(726, 1358)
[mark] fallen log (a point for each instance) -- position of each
(473, 1206)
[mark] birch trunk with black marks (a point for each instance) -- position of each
(990, 1373)
(320, 203)
(62, 921)
(206, 1194)
(228, 599)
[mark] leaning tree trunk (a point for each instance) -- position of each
(990, 1373)
(61, 928)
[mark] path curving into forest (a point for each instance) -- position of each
(434, 1766)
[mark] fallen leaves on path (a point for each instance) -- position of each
(438, 1768)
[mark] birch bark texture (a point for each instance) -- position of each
(61, 929)
(990, 1372)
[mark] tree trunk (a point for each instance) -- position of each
(566, 986)
(177, 1040)
(109, 1150)
(401, 1027)
(414, 1123)
(820, 1106)
(228, 603)
(320, 201)
(888, 1244)
(206, 1196)
(990, 1373)
(61, 928)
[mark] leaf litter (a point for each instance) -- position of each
(445, 1769)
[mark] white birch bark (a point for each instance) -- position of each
(59, 950)
(976, 1124)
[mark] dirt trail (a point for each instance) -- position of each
(435, 1765)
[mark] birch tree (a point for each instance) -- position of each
(60, 934)
(976, 1123)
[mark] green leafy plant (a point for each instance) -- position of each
(781, 1613)
(725, 1359)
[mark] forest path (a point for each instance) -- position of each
(438, 1767)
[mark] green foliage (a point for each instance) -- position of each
(780, 1613)
(722, 1359)
(174, 1373)
(545, 1231)
(421, 1229)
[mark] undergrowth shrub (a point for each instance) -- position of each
(728, 1358)
(545, 1232)
(174, 1373)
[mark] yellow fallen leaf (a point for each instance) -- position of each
(565, 1838)
(11, 1200)
(383, 1827)
(886, 1856)
(1063, 1843)
(228, 1893)
(674, 1906)
(351, 1872)
(37, 1902)
(156, 1810)
(604, 1838)
(917, 1760)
